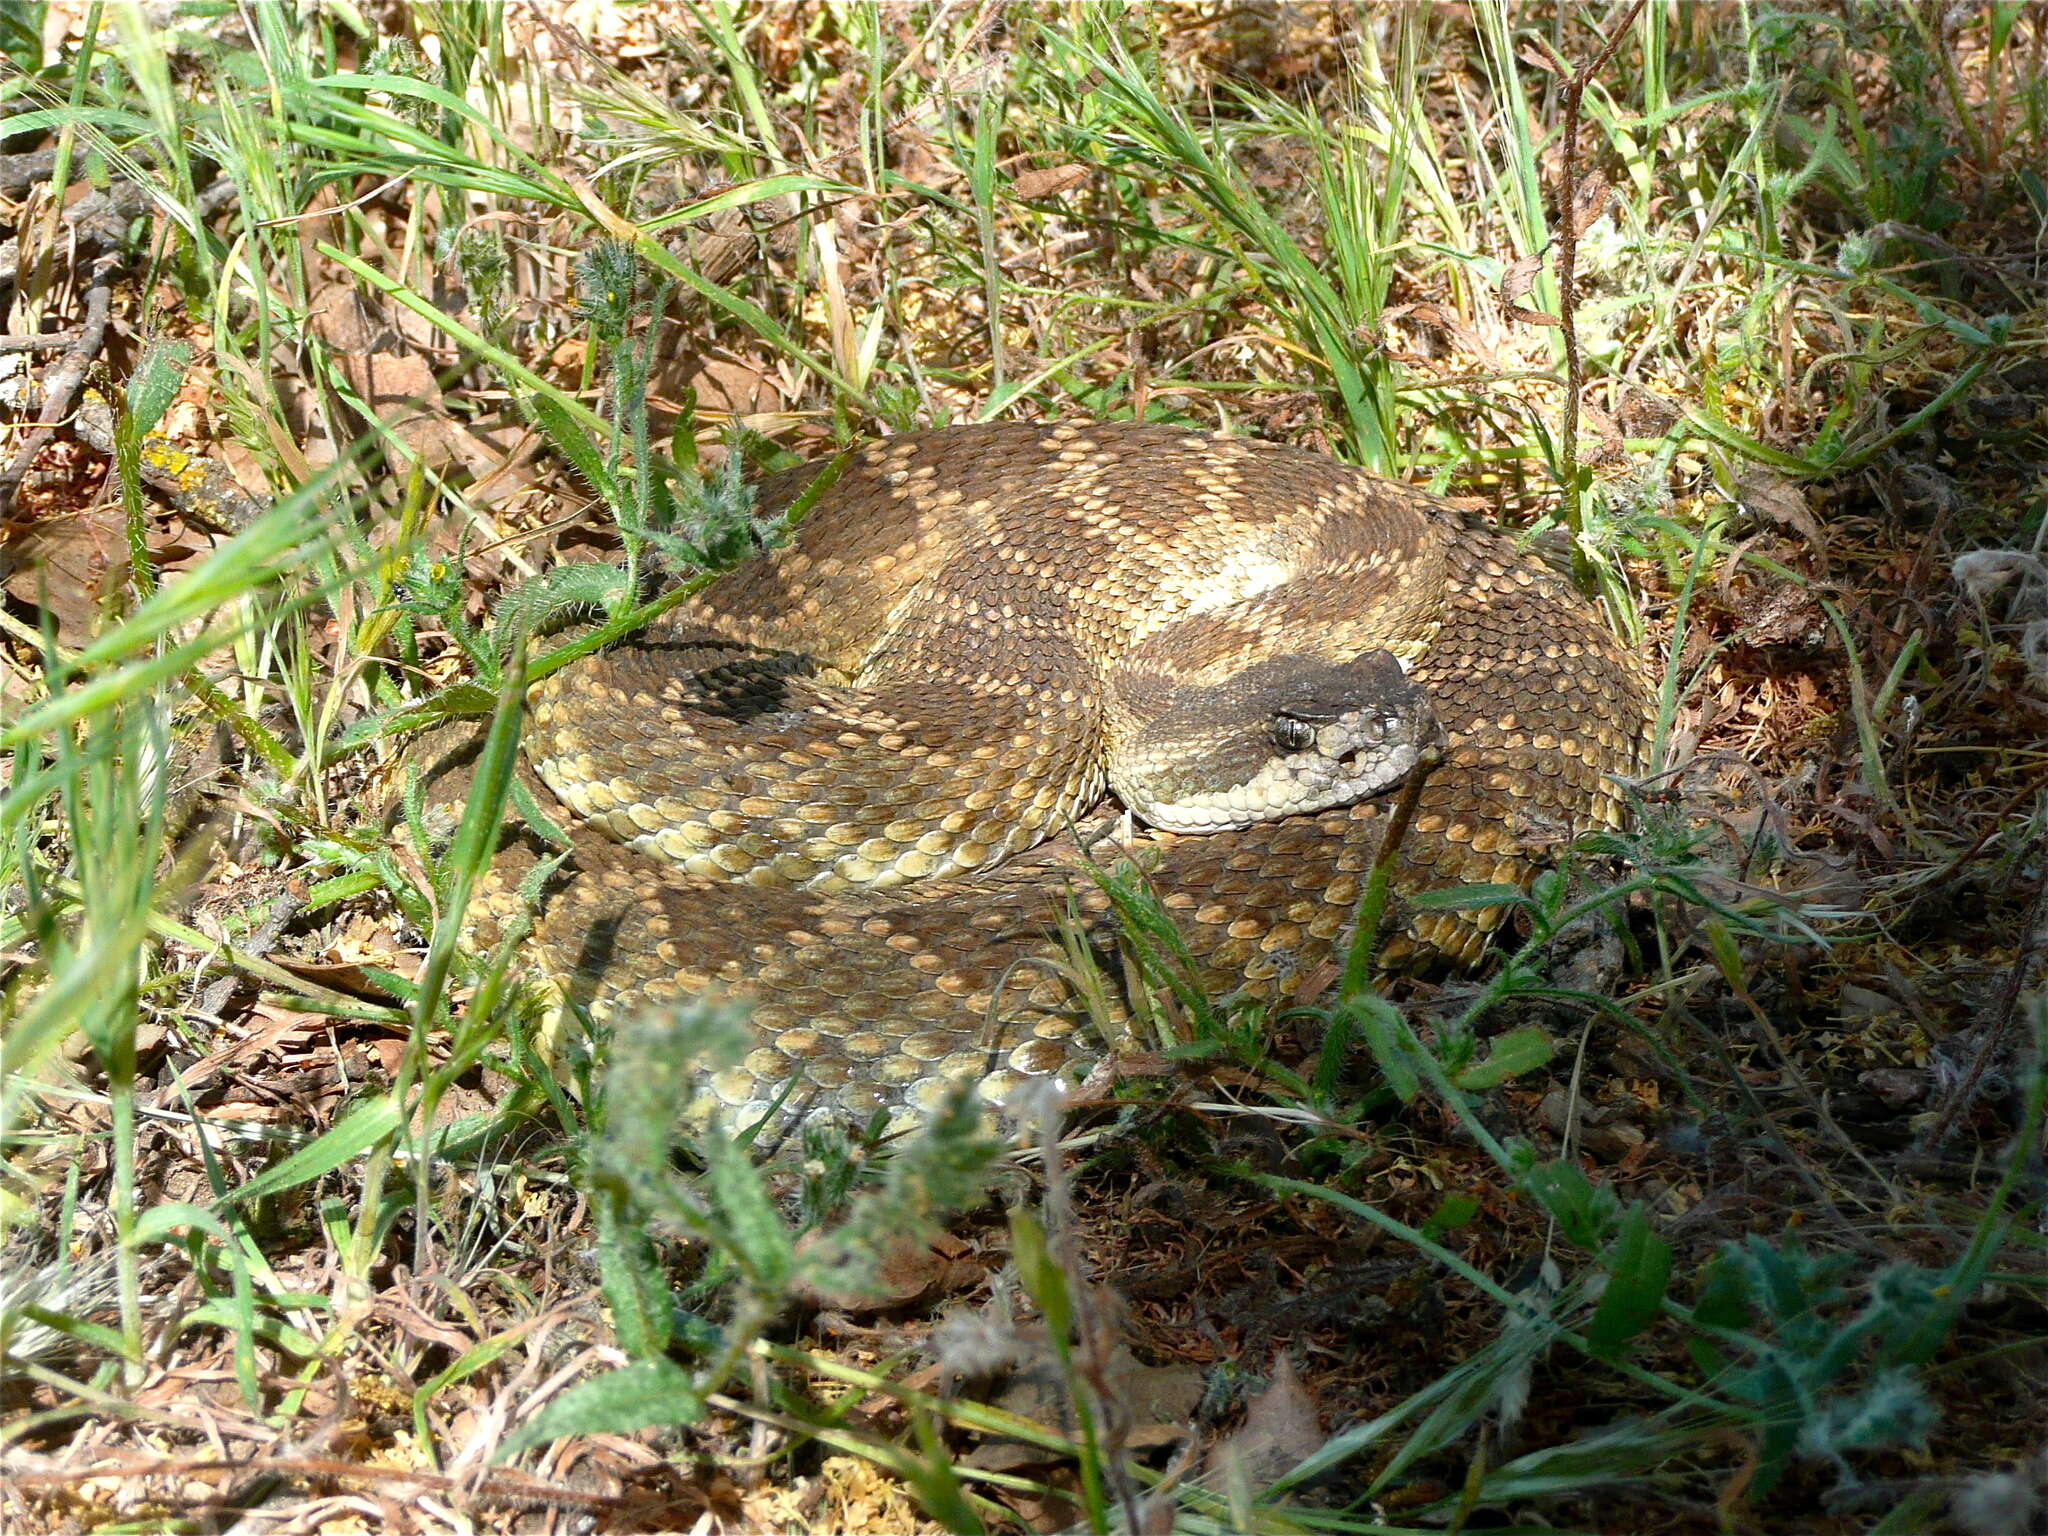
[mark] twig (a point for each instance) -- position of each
(287, 906)
(62, 383)
(498, 1486)
(197, 485)
(48, 343)
(1568, 260)
(1999, 821)
(1965, 1091)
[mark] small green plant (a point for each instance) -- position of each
(1782, 1331)
(653, 1110)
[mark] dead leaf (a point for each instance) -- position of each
(1282, 1429)
(1155, 1402)
(397, 384)
(1783, 613)
(346, 975)
(1515, 284)
(1438, 332)
(1765, 493)
(725, 385)
(1160, 1399)
(1897, 1087)
(907, 1271)
(1643, 413)
(1520, 277)
(1452, 327)
(1613, 447)
(270, 1027)
(1376, 339)
(62, 564)
(1588, 203)
(1050, 182)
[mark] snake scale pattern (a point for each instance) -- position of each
(843, 785)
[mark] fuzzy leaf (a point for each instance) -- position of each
(760, 1239)
(1043, 1279)
(460, 700)
(1514, 1053)
(1638, 1270)
(1584, 1210)
(1389, 1043)
(1894, 1410)
(636, 1396)
(564, 589)
(155, 384)
(631, 1280)
(573, 444)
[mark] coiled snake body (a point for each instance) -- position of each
(841, 785)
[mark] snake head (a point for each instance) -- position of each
(1284, 736)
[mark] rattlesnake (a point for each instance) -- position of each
(860, 757)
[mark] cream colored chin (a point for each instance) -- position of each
(1279, 789)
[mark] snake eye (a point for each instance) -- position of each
(1292, 735)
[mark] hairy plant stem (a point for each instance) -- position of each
(1372, 906)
